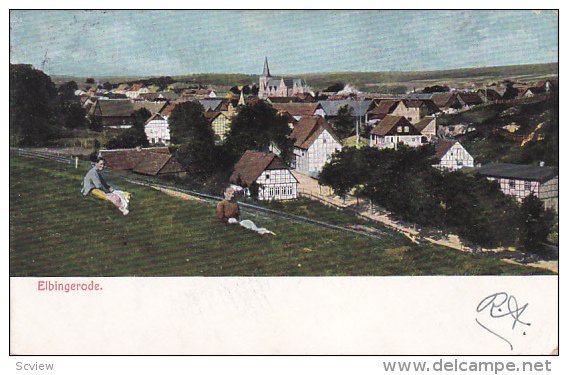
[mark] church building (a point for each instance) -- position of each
(270, 86)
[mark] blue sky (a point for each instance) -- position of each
(96, 43)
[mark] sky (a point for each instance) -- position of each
(115, 43)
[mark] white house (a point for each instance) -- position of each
(157, 129)
(314, 143)
(521, 180)
(452, 155)
(269, 172)
(393, 130)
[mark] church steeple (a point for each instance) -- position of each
(266, 70)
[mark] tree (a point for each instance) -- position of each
(511, 92)
(33, 106)
(107, 86)
(188, 122)
(535, 224)
(254, 90)
(134, 136)
(90, 80)
(435, 88)
(344, 123)
(336, 87)
(67, 90)
(256, 127)
(191, 130)
(73, 116)
(404, 182)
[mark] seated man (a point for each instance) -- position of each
(95, 184)
(228, 209)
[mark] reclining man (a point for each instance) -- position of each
(95, 184)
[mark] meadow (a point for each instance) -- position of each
(55, 231)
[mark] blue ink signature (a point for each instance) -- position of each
(502, 305)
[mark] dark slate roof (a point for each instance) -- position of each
(419, 96)
(331, 107)
(210, 104)
(388, 126)
(308, 129)
(517, 171)
(251, 165)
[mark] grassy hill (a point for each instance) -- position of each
(54, 231)
(538, 118)
(368, 81)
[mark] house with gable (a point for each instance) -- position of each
(314, 143)
(448, 102)
(220, 123)
(272, 176)
(300, 110)
(393, 130)
(428, 127)
(415, 110)
(451, 155)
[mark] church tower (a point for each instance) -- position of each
(263, 79)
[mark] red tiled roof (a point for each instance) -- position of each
(420, 125)
(297, 109)
(144, 160)
(252, 164)
(443, 146)
(444, 99)
(155, 163)
(388, 125)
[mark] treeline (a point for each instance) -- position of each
(404, 182)
(39, 111)
(257, 126)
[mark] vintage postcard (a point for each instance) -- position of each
(379, 182)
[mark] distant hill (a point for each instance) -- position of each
(367, 81)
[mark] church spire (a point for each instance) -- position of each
(266, 71)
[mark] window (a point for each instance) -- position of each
(512, 184)
(268, 176)
(406, 129)
(399, 129)
(527, 185)
(324, 141)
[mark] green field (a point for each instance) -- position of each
(54, 231)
